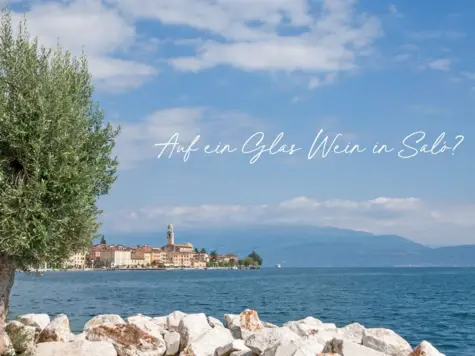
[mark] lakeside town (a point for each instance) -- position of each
(170, 256)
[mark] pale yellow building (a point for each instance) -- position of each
(116, 256)
(77, 260)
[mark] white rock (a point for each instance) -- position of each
(42, 320)
(103, 319)
(173, 320)
(353, 332)
(161, 321)
(172, 341)
(235, 345)
(57, 330)
(213, 322)
(207, 344)
(302, 346)
(347, 347)
(244, 324)
(146, 324)
(309, 326)
(242, 353)
(79, 337)
(260, 341)
(77, 348)
(8, 349)
(386, 341)
(191, 327)
(310, 320)
(426, 349)
(128, 339)
(268, 325)
(22, 336)
(233, 323)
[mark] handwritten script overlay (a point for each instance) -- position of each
(258, 145)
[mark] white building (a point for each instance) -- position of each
(77, 260)
(116, 257)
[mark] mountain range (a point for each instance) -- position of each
(305, 246)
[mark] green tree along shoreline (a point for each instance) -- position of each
(55, 156)
(252, 260)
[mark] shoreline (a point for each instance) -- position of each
(135, 269)
(181, 334)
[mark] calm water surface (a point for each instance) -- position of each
(433, 304)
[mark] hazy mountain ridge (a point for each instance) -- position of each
(301, 246)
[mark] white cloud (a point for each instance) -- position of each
(402, 57)
(394, 11)
(440, 64)
(98, 29)
(322, 81)
(409, 217)
(137, 140)
(248, 34)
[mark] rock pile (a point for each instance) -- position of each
(180, 334)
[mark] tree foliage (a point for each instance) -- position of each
(55, 151)
(255, 257)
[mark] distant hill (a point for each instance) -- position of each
(303, 246)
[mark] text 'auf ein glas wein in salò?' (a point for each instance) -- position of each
(258, 145)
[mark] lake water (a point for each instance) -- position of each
(433, 304)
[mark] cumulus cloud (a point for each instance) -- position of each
(409, 217)
(101, 31)
(443, 64)
(137, 140)
(251, 35)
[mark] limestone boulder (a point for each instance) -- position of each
(347, 347)
(265, 324)
(191, 327)
(57, 330)
(174, 319)
(302, 346)
(161, 321)
(386, 341)
(244, 324)
(309, 326)
(233, 323)
(8, 349)
(261, 341)
(79, 337)
(147, 324)
(353, 332)
(213, 322)
(103, 319)
(22, 336)
(38, 320)
(308, 320)
(425, 348)
(76, 348)
(128, 340)
(208, 343)
(235, 345)
(172, 342)
(242, 353)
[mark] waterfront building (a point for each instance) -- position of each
(228, 258)
(77, 260)
(116, 256)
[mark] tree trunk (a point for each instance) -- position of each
(7, 276)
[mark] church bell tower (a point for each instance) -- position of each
(170, 235)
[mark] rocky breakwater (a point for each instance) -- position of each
(198, 335)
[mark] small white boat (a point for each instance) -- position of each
(278, 265)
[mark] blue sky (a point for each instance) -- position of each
(374, 71)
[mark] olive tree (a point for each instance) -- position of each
(55, 155)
